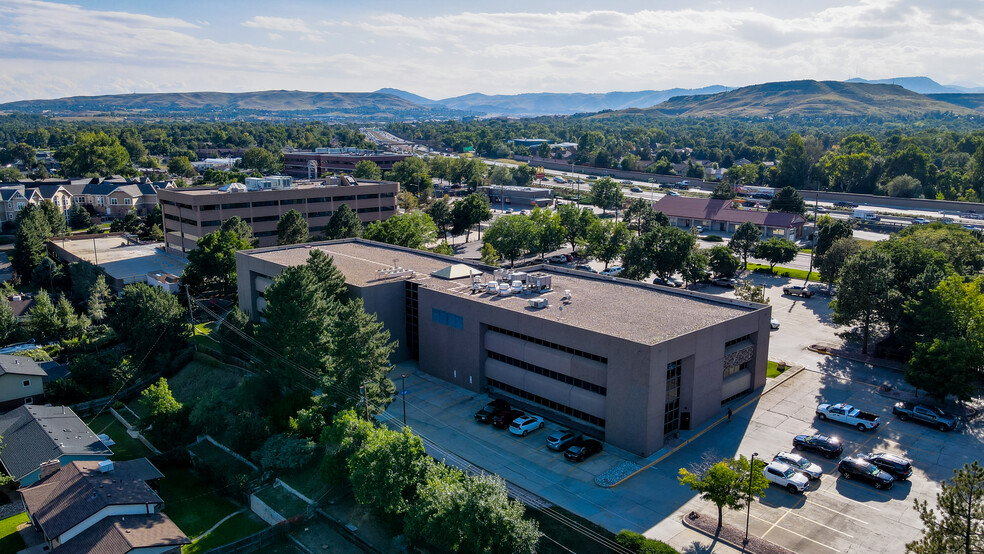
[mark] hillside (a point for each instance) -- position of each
(805, 98)
(271, 103)
(922, 85)
(969, 100)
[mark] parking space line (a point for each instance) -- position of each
(821, 524)
(838, 512)
(842, 497)
(901, 446)
(776, 524)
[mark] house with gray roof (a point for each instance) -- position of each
(33, 435)
(21, 382)
(12, 201)
(102, 507)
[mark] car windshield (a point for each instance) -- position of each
(802, 463)
(789, 473)
(872, 470)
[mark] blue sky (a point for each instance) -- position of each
(442, 49)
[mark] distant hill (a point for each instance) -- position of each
(558, 103)
(974, 101)
(806, 98)
(415, 98)
(922, 85)
(272, 103)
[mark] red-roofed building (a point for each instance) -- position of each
(718, 215)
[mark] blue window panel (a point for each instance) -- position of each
(447, 318)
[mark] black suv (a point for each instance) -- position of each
(485, 414)
(896, 466)
(582, 450)
(502, 420)
(850, 468)
(828, 446)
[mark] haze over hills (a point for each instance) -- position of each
(804, 98)
(922, 85)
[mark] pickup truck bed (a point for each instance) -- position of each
(845, 413)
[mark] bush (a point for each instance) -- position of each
(712, 238)
(38, 355)
(285, 452)
(638, 543)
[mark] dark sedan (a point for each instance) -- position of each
(485, 414)
(822, 444)
(503, 419)
(583, 450)
(856, 468)
(896, 466)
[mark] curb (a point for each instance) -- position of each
(823, 350)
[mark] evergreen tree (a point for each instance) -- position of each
(344, 223)
(44, 322)
(8, 323)
(29, 243)
(292, 228)
(99, 299)
(359, 354)
(958, 526)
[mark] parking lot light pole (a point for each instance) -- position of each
(748, 507)
(403, 378)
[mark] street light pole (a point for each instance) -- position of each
(748, 508)
(404, 394)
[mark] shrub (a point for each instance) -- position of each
(638, 543)
(712, 238)
(38, 355)
(285, 452)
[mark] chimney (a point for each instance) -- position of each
(48, 468)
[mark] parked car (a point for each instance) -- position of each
(922, 413)
(725, 282)
(896, 466)
(821, 444)
(563, 439)
(504, 418)
(774, 323)
(586, 267)
(615, 270)
(485, 414)
(800, 464)
(522, 425)
(797, 290)
(583, 450)
(851, 468)
(845, 413)
(668, 282)
(786, 477)
(557, 259)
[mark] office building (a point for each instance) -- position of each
(312, 165)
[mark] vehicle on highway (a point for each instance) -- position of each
(820, 210)
(930, 415)
(583, 450)
(851, 468)
(896, 466)
(800, 464)
(774, 323)
(684, 183)
(920, 221)
(625, 182)
(636, 189)
(592, 177)
(786, 477)
(615, 270)
(505, 418)
(821, 444)
(725, 282)
(563, 439)
(797, 290)
(668, 282)
(845, 205)
(485, 414)
(673, 193)
(559, 180)
(558, 259)
(586, 267)
(847, 414)
(865, 215)
(522, 425)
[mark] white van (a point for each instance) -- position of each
(865, 215)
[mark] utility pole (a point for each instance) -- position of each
(191, 315)
(94, 252)
(365, 399)
(748, 508)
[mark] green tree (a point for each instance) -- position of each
(99, 299)
(412, 175)
(942, 367)
(787, 200)
(235, 334)
(509, 235)
(33, 231)
(440, 212)
(607, 240)
(93, 154)
(10, 175)
(55, 217)
(904, 186)
(8, 323)
(473, 210)
(776, 250)
(292, 228)
(79, 217)
(181, 167)
(543, 150)
(523, 175)
(297, 295)
(44, 323)
(958, 526)
(237, 225)
(329, 278)
(829, 230)
(130, 223)
(72, 325)
(489, 255)
(793, 163)
(911, 160)
(744, 241)
(344, 224)
(695, 267)
(47, 273)
(386, 471)
(574, 223)
(546, 233)
(359, 355)
(212, 265)
(694, 170)
(831, 262)
(723, 191)
(411, 230)
(367, 169)
(607, 194)
(728, 484)
(722, 261)
(864, 284)
(975, 176)
(262, 160)
(149, 320)
(663, 251)
(159, 401)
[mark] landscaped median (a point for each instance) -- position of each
(731, 535)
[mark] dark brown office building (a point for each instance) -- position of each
(626, 361)
(191, 213)
(301, 165)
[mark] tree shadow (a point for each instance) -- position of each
(698, 547)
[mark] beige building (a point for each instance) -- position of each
(625, 361)
(191, 213)
(21, 382)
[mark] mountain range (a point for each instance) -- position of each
(907, 96)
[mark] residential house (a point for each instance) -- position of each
(102, 507)
(21, 382)
(116, 197)
(33, 435)
(57, 194)
(718, 215)
(12, 201)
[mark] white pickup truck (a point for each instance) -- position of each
(786, 477)
(845, 413)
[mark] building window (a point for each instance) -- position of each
(548, 344)
(126, 201)
(729, 371)
(26, 383)
(10, 205)
(671, 412)
(20, 205)
(29, 400)
(114, 201)
(99, 200)
(579, 383)
(733, 342)
(447, 318)
(556, 406)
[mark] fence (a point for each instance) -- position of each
(254, 542)
(226, 449)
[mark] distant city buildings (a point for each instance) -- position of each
(312, 165)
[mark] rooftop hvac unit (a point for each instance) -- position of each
(504, 289)
(517, 287)
(105, 466)
(492, 287)
(538, 302)
(518, 276)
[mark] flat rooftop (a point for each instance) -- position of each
(122, 259)
(643, 313)
(205, 191)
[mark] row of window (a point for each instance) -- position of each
(579, 383)
(287, 202)
(556, 406)
(737, 340)
(549, 344)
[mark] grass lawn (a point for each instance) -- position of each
(775, 370)
(126, 447)
(196, 379)
(216, 457)
(799, 274)
(306, 480)
(202, 331)
(192, 504)
(285, 503)
(10, 540)
(238, 527)
(137, 407)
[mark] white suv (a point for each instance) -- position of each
(781, 474)
(800, 464)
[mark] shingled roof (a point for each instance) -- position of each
(19, 365)
(121, 534)
(721, 210)
(34, 434)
